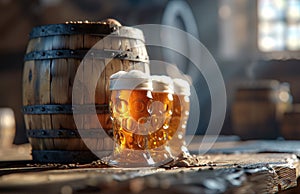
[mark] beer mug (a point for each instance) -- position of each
(141, 111)
(161, 110)
(179, 119)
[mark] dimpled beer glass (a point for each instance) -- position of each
(138, 115)
(179, 119)
(161, 110)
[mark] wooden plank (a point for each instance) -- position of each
(90, 78)
(60, 42)
(134, 47)
(251, 146)
(111, 67)
(28, 95)
(36, 90)
(28, 83)
(125, 44)
(100, 43)
(107, 42)
(62, 72)
(241, 173)
(101, 97)
(76, 41)
(100, 93)
(60, 82)
(90, 41)
(78, 98)
(44, 98)
(142, 49)
(126, 65)
(115, 43)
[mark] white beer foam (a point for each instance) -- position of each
(133, 79)
(117, 75)
(162, 83)
(181, 87)
(162, 78)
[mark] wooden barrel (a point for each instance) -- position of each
(258, 108)
(54, 54)
(290, 124)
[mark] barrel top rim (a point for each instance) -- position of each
(96, 28)
(75, 24)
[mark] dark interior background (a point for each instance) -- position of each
(230, 37)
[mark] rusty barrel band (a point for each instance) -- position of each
(96, 29)
(66, 109)
(68, 29)
(62, 156)
(80, 54)
(66, 133)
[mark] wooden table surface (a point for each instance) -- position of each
(229, 167)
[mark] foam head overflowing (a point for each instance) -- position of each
(162, 83)
(181, 87)
(133, 79)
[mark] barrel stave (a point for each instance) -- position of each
(50, 81)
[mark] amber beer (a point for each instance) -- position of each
(130, 97)
(141, 111)
(179, 119)
(129, 115)
(161, 110)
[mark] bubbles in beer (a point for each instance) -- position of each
(147, 114)
(121, 106)
(180, 116)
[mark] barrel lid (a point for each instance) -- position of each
(86, 27)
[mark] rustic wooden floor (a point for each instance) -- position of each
(242, 167)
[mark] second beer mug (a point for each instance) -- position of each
(141, 111)
(179, 120)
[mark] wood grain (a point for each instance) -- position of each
(235, 173)
(51, 82)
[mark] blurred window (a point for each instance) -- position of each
(278, 25)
